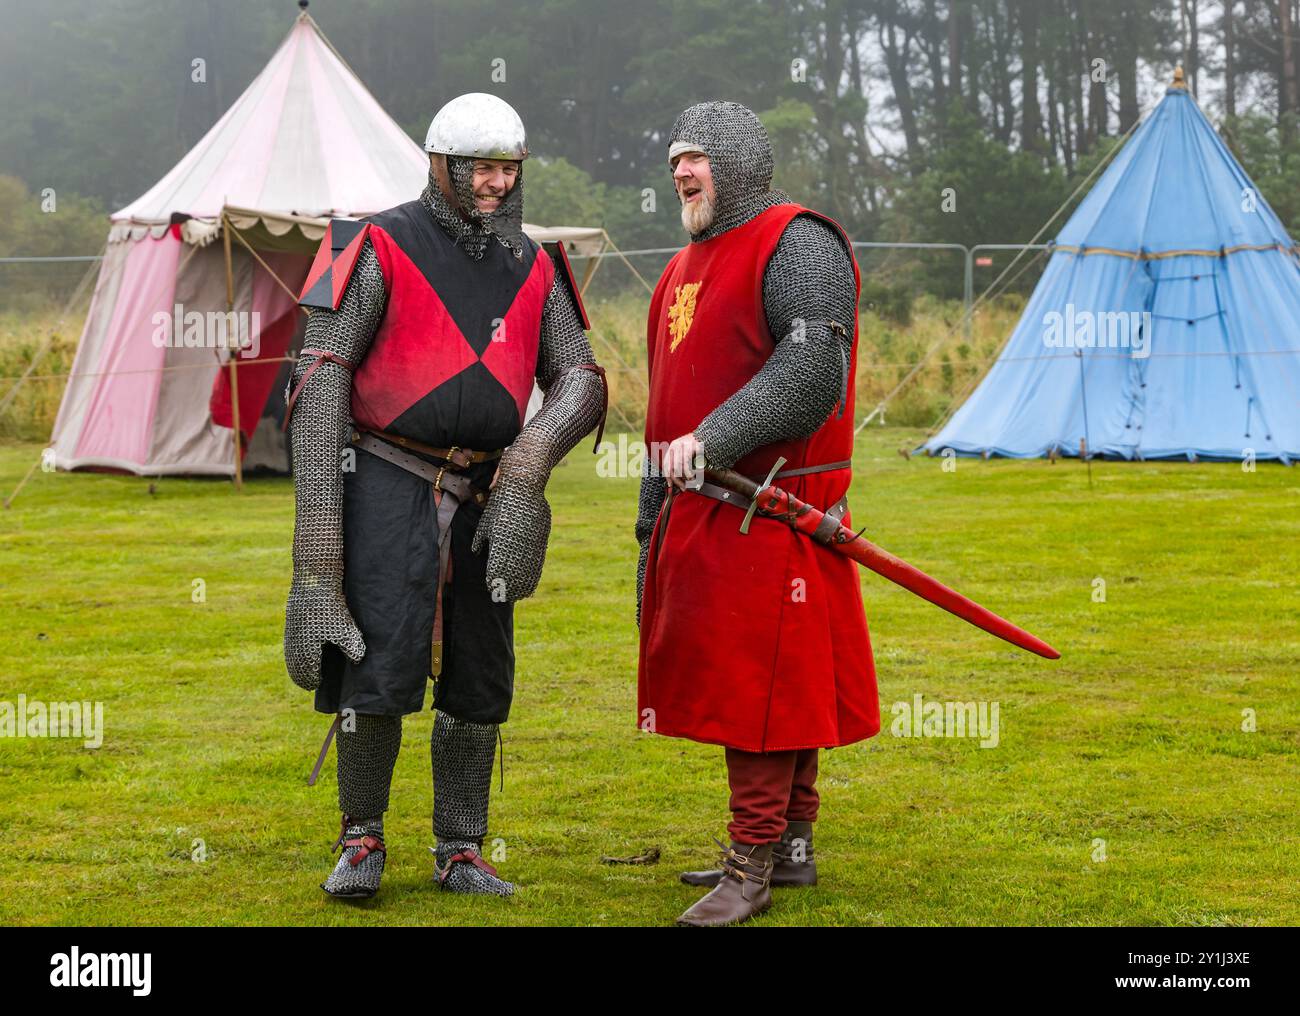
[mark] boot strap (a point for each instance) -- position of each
(467, 857)
(734, 864)
(367, 844)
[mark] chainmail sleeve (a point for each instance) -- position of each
(573, 397)
(654, 490)
(808, 295)
(320, 424)
(517, 522)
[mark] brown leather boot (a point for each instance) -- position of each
(792, 861)
(743, 891)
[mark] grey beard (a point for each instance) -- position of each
(698, 215)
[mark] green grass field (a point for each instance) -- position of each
(1123, 789)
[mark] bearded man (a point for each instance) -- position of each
(754, 642)
(431, 321)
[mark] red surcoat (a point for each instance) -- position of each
(758, 641)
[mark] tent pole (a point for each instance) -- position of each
(265, 267)
(23, 482)
(592, 265)
(1084, 441)
(234, 356)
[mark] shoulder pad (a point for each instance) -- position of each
(555, 249)
(339, 250)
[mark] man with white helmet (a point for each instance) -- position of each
(420, 507)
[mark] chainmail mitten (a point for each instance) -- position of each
(473, 231)
(517, 522)
(317, 612)
(808, 285)
(654, 490)
(462, 754)
(359, 869)
(740, 161)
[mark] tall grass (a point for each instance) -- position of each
(887, 350)
(23, 333)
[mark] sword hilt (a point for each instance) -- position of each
(744, 486)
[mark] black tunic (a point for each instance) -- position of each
(451, 364)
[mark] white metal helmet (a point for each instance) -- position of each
(477, 125)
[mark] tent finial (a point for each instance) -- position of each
(302, 4)
(1179, 81)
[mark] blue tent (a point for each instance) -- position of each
(1167, 320)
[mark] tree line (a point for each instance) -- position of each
(874, 106)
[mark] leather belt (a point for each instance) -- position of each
(829, 525)
(450, 491)
(460, 457)
(442, 477)
(806, 470)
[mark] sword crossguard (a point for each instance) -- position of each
(753, 504)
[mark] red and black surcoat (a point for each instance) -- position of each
(452, 363)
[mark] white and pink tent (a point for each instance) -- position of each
(305, 141)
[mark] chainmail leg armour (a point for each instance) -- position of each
(366, 757)
(807, 285)
(654, 491)
(462, 754)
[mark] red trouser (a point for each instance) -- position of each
(769, 789)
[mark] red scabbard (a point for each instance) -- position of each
(772, 502)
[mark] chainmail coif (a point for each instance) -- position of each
(740, 160)
(474, 231)
(462, 754)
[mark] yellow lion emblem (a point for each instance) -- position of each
(682, 312)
